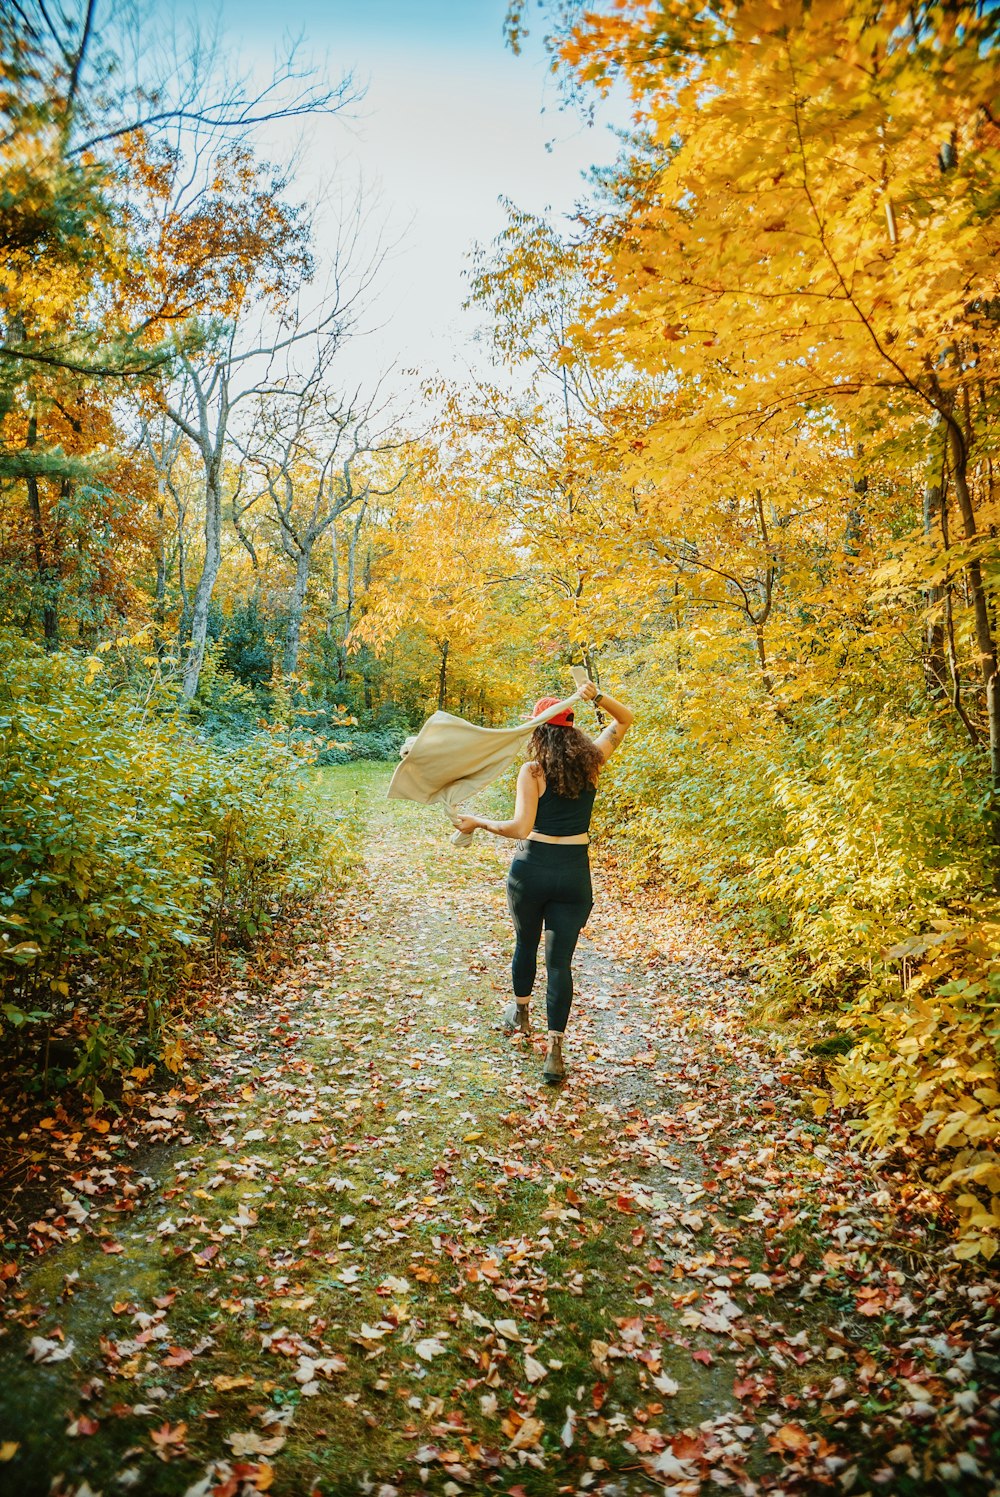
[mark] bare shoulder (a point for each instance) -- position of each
(531, 774)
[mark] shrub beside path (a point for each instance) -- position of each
(378, 1255)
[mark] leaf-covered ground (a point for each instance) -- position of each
(374, 1253)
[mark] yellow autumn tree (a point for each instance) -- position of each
(792, 269)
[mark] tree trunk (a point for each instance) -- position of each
(935, 667)
(349, 599)
(855, 514)
(206, 582)
(443, 675)
(291, 657)
(770, 574)
(46, 580)
(985, 642)
(334, 608)
(765, 670)
(160, 601)
(184, 622)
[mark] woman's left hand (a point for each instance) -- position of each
(467, 823)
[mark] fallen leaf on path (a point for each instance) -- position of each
(429, 1348)
(224, 1383)
(251, 1443)
(83, 1425)
(42, 1350)
(169, 1442)
(529, 1433)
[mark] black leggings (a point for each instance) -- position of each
(548, 884)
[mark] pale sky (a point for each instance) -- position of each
(451, 121)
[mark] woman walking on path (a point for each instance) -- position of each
(549, 880)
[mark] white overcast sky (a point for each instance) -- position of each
(451, 122)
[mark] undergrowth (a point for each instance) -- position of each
(130, 844)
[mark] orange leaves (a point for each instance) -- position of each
(524, 1432)
(790, 1439)
(177, 1356)
(871, 1301)
(169, 1441)
(235, 238)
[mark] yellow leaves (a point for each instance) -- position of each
(228, 1383)
(173, 1054)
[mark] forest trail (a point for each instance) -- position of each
(382, 1257)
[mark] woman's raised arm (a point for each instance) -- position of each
(611, 736)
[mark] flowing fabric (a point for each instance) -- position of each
(450, 759)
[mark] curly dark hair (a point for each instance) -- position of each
(569, 760)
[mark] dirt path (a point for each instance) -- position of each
(389, 1260)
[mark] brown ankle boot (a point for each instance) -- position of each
(554, 1068)
(516, 1017)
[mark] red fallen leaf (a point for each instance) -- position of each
(84, 1425)
(686, 1446)
(164, 1301)
(790, 1437)
(624, 1205)
(703, 1356)
(656, 1265)
(178, 1356)
(207, 1253)
(112, 1247)
(647, 1440)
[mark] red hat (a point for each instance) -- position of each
(561, 719)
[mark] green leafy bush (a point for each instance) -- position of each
(927, 1063)
(851, 834)
(128, 840)
(836, 833)
(379, 744)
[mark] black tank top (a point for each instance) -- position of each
(564, 815)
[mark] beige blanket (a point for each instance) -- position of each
(450, 759)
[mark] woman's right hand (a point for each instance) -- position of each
(588, 691)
